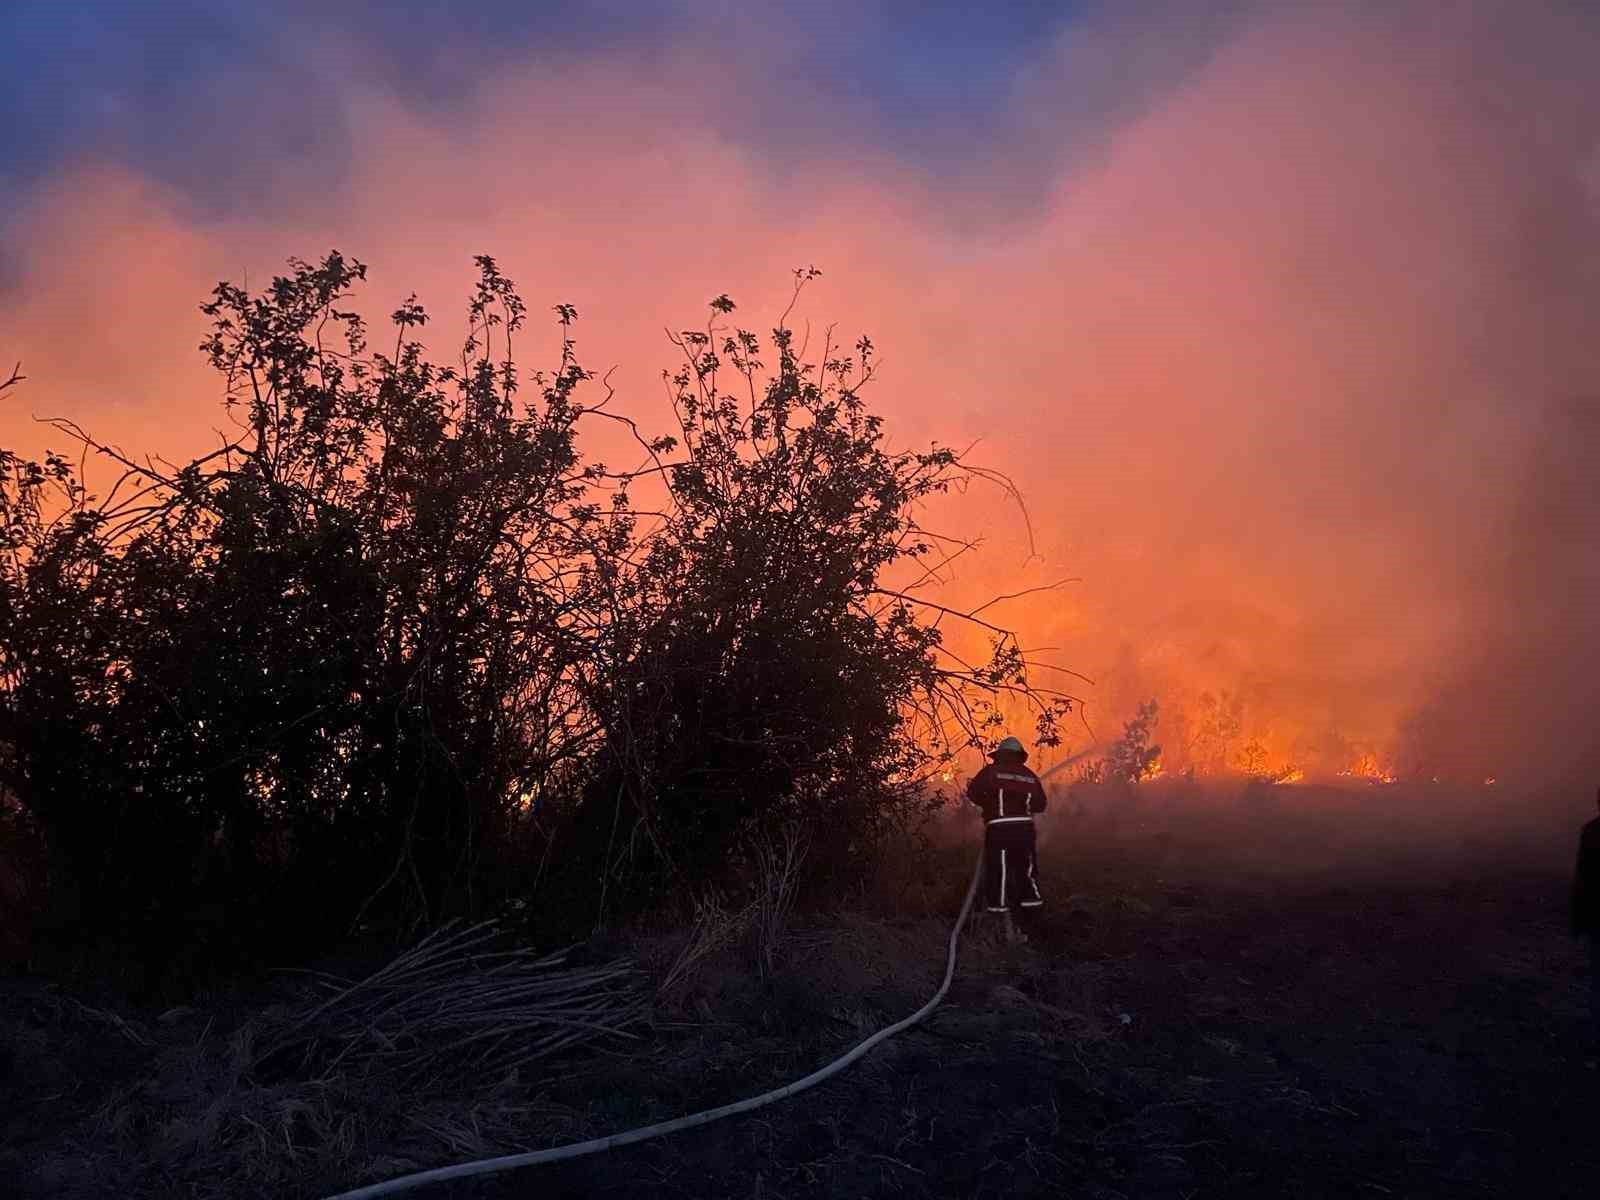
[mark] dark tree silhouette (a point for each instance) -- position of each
(760, 664)
(1132, 757)
(368, 657)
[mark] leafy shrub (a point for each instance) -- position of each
(395, 649)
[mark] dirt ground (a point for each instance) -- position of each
(1324, 994)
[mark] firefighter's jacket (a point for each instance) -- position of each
(1586, 885)
(1006, 792)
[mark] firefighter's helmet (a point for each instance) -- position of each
(1010, 745)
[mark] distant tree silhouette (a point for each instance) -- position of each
(1216, 722)
(1132, 757)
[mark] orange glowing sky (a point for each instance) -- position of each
(1285, 325)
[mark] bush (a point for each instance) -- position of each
(363, 662)
(1132, 757)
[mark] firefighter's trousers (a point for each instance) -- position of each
(1010, 866)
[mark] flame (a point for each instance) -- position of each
(1367, 767)
(1292, 775)
(1154, 771)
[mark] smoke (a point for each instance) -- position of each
(1280, 316)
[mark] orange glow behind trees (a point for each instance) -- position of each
(1286, 351)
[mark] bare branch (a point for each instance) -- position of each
(1045, 587)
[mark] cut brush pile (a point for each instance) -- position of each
(452, 1009)
(347, 1079)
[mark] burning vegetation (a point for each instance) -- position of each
(1216, 738)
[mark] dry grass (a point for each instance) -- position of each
(760, 927)
(714, 929)
(779, 859)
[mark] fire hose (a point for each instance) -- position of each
(508, 1162)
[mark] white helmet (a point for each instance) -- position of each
(1011, 745)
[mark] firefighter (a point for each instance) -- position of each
(1009, 796)
(1586, 915)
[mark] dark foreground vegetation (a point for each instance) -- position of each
(1319, 994)
(404, 649)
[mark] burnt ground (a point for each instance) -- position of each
(1244, 1002)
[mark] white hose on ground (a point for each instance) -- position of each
(508, 1162)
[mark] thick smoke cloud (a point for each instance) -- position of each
(1281, 317)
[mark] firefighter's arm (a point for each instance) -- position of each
(1041, 800)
